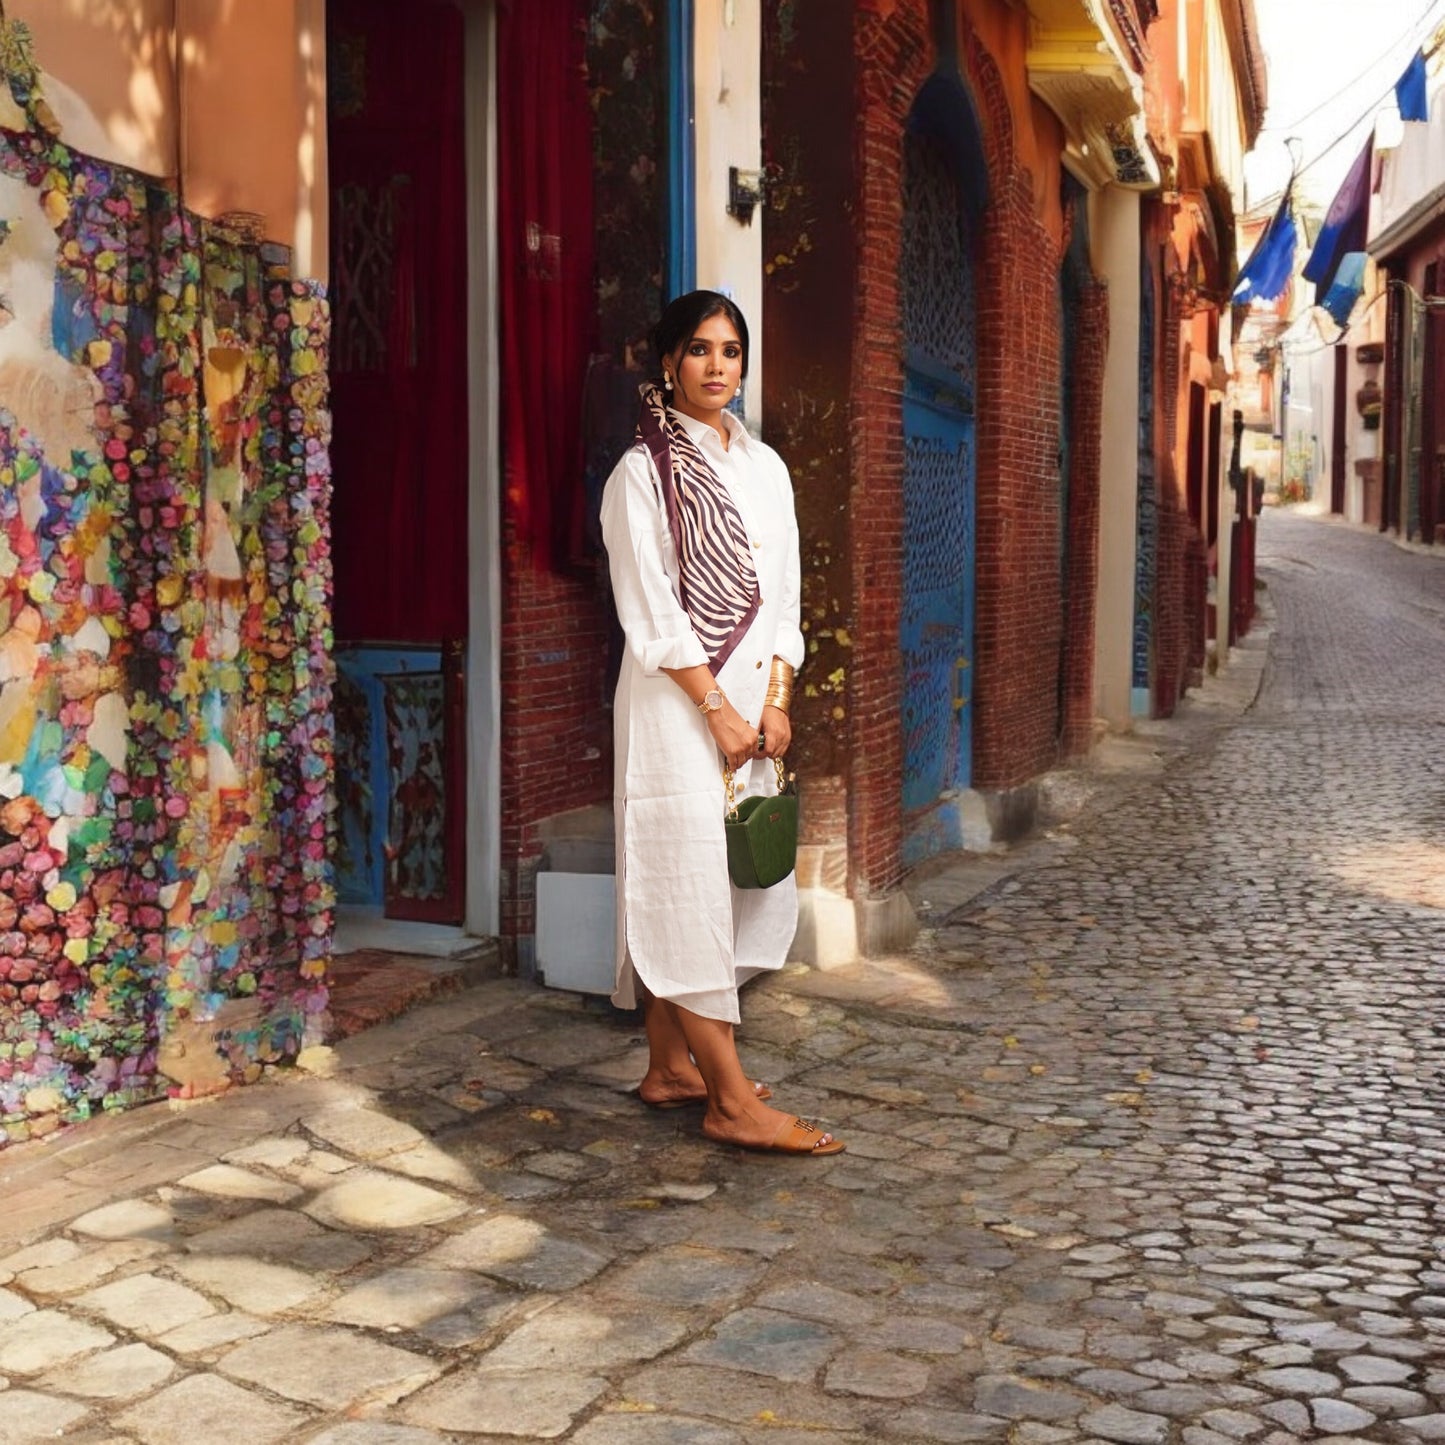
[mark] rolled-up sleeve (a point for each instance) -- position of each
(658, 631)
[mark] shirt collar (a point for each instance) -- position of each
(700, 431)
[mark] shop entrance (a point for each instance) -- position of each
(401, 456)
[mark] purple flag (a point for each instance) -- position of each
(1345, 223)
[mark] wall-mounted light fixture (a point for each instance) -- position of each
(746, 190)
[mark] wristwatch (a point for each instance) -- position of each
(712, 700)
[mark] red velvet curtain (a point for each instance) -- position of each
(545, 219)
(399, 343)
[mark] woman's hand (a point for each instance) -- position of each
(777, 732)
(737, 739)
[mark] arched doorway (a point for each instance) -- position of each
(942, 193)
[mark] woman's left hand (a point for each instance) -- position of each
(777, 733)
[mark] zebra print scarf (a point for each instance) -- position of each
(719, 584)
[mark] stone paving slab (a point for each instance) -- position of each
(39, 1341)
(204, 1407)
(1145, 1144)
(118, 1374)
(533, 1406)
(27, 1415)
(333, 1368)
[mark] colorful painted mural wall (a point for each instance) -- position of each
(165, 727)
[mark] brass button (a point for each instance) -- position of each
(757, 664)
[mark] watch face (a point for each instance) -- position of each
(713, 700)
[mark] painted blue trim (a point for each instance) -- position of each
(681, 152)
(366, 666)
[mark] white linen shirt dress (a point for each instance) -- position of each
(682, 928)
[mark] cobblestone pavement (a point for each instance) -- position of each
(1145, 1144)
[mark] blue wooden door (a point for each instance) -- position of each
(936, 631)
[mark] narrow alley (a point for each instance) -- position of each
(1145, 1144)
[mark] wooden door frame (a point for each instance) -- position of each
(483, 662)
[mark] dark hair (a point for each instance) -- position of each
(681, 318)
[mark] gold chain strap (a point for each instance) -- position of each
(730, 784)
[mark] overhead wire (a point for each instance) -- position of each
(1271, 202)
(1415, 30)
(1296, 349)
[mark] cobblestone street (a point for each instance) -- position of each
(1145, 1143)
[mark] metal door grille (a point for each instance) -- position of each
(937, 267)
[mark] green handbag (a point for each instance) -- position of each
(762, 832)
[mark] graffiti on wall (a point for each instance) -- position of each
(165, 735)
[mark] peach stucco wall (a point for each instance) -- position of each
(228, 96)
(253, 116)
(109, 76)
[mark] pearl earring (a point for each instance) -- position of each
(666, 382)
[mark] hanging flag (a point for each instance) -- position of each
(1271, 264)
(1349, 281)
(1345, 224)
(1410, 90)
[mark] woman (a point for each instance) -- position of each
(702, 545)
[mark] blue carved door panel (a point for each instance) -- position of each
(936, 628)
(936, 635)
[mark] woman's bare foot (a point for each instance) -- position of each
(661, 1089)
(757, 1126)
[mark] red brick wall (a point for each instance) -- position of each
(1085, 427)
(1019, 621)
(1181, 575)
(1196, 603)
(1182, 581)
(809, 250)
(1170, 639)
(1019, 624)
(1169, 634)
(556, 751)
(894, 59)
(1019, 591)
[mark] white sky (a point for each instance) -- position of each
(1342, 56)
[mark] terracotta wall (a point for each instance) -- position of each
(1037, 133)
(252, 91)
(111, 77)
(228, 96)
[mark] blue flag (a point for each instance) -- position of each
(1345, 289)
(1271, 264)
(1410, 90)
(1345, 223)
